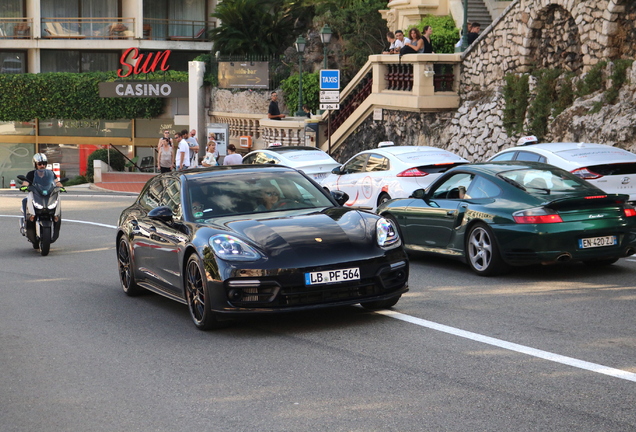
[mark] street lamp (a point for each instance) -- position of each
(325, 37)
(300, 48)
(465, 27)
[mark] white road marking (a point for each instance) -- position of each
(71, 220)
(593, 367)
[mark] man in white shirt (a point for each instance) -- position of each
(400, 40)
(183, 152)
(194, 147)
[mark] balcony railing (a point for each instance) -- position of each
(177, 30)
(16, 28)
(88, 28)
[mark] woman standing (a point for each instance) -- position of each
(165, 156)
(211, 155)
(426, 37)
(416, 45)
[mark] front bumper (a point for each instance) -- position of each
(284, 290)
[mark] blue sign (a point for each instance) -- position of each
(329, 79)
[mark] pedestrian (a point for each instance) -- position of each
(390, 37)
(193, 144)
(183, 152)
(211, 154)
(232, 158)
(416, 45)
(165, 137)
(165, 156)
(474, 33)
(426, 37)
(400, 40)
(307, 111)
(274, 112)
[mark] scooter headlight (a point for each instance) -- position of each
(52, 205)
(37, 205)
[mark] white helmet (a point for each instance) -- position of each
(39, 158)
(530, 139)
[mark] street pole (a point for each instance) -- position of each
(300, 48)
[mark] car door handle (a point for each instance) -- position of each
(450, 213)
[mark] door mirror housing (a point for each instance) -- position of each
(418, 194)
(162, 213)
(336, 170)
(340, 197)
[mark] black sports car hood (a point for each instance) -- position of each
(304, 238)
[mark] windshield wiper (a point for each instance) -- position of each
(512, 182)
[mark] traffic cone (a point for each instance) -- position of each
(56, 170)
(12, 184)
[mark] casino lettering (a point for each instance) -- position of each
(150, 89)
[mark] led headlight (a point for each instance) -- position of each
(230, 248)
(37, 205)
(52, 205)
(387, 236)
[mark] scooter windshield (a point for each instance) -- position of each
(44, 181)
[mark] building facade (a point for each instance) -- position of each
(76, 36)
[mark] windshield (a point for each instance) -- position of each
(43, 179)
(252, 192)
(544, 181)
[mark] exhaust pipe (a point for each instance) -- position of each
(564, 257)
(630, 251)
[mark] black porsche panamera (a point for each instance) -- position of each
(256, 239)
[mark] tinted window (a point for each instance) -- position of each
(529, 157)
(504, 156)
(172, 196)
(152, 196)
(248, 160)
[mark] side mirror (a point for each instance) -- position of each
(21, 177)
(336, 171)
(162, 213)
(418, 194)
(340, 197)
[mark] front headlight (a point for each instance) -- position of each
(230, 248)
(52, 205)
(37, 205)
(387, 235)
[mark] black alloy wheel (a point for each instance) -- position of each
(383, 197)
(197, 295)
(124, 264)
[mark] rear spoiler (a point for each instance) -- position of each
(589, 201)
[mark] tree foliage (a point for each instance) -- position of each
(257, 27)
(116, 159)
(311, 90)
(445, 33)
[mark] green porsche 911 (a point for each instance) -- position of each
(495, 215)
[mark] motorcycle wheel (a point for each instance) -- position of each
(45, 240)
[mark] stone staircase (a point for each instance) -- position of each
(477, 11)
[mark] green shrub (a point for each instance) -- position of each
(542, 105)
(117, 161)
(77, 180)
(593, 80)
(445, 34)
(515, 93)
(311, 91)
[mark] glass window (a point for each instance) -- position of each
(355, 165)
(544, 181)
(377, 163)
(67, 155)
(504, 157)
(152, 196)
(454, 187)
(87, 128)
(170, 19)
(15, 159)
(529, 157)
(13, 62)
(172, 196)
(17, 128)
(78, 61)
(482, 188)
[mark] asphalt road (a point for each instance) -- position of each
(541, 349)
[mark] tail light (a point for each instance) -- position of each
(538, 215)
(586, 174)
(412, 172)
(629, 211)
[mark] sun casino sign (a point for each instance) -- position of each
(145, 63)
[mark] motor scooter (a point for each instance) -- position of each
(43, 212)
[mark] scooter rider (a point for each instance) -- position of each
(39, 162)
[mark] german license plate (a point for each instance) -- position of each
(593, 242)
(331, 276)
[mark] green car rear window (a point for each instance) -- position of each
(544, 180)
